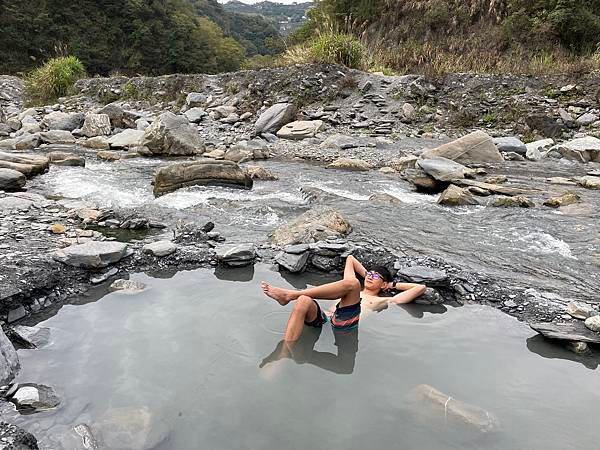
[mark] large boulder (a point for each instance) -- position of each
(583, 149)
(172, 135)
(275, 117)
(118, 117)
(510, 144)
(28, 165)
(9, 361)
(301, 129)
(314, 225)
(58, 120)
(476, 147)
(128, 138)
(443, 169)
(96, 125)
(11, 180)
(456, 196)
(200, 173)
(92, 255)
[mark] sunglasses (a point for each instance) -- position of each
(374, 275)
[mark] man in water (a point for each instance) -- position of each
(352, 300)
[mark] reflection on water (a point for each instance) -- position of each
(189, 363)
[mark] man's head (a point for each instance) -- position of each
(377, 277)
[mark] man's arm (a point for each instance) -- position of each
(353, 268)
(411, 292)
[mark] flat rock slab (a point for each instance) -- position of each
(443, 169)
(92, 255)
(422, 274)
(9, 361)
(33, 336)
(575, 331)
(237, 255)
(292, 262)
(476, 147)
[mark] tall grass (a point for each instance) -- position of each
(53, 80)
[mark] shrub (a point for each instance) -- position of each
(54, 79)
(342, 49)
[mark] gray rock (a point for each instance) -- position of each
(11, 180)
(581, 310)
(27, 141)
(160, 248)
(63, 121)
(589, 182)
(127, 286)
(297, 249)
(314, 225)
(15, 438)
(260, 173)
(593, 323)
(237, 255)
(36, 397)
(9, 361)
(292, 262)
(341, 141)
(92, 255)
(510, 144)
(96, 125)
(443, 169)
(199, 173)
(299, 130)
(476, 147)
(130, 428)
(587, 119)
(66, 159)
(275, 117)
(173, 136)
(575, 331)
(583, 149)
(325, 263)
(195, 115)
(57, 137)
(423, 275)
(194, 99)
(547, 126)
(16, 314)
(33, 336)
(430, 297)
(456, 196)
(354, 164)
(126, 139)
(15, 203)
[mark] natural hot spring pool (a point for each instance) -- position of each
(177, 367)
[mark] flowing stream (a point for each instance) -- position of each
(195, 361)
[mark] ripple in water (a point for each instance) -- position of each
(546, 244)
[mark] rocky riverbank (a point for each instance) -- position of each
(472, 141)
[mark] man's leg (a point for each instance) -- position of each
(305, 310)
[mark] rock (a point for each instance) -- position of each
(195, 115)
(260, 173)
(15, 438)
(275, 117)
(566, 118)
(127, 286)
(583, 149)
(534, 149)
(387, 171)
(108, 156)
(28, 165)
(172, 135)
(587, 119)
(58, 228)
(587, 182)
(430, 297)
(325, 263)
(442, 169)
(453, 409)
(35, 337)
(408, 111)
(126, 139)
(9, 361)
(547, 126)
(27, 141)
(224, 111)
(314, 225)
(423, 182)
(383, 197)
(247, 150)
(404, 162)
(35, 397)
(512, 156)
(300, 130)
(575, 331)
(423, 275)
(200, 173)
(350, 164)
(496, 179)
(66, 159)
(456, 196)
(510, 144)
(581, 311)
(517, 201)
(580, 348)
(14, 203)
(292, 262)
(493, 188)
(93, 254)
(160, 248)
(96, 125)
(476, 147)
(129, 428)
(16, 314)
(341, 142)
(57, 137)
(98, 143)
(195, 99)
(58, 120)
(11, 180)
(568, 198)
(237, 255)
(593, 323)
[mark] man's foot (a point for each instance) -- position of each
(280, 352)
(282, 296)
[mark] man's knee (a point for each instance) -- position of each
(303, 303)
(352, 285)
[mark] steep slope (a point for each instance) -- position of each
(286, 17)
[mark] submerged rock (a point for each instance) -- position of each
(172, 135)
(127, 286)
(260, 173)
(66, 159)
(476, 147)
(517, 201)
(314, 225)
(35, 337)
(92, 255)
(589, 182)
(9, 361)
(11, 180)
(568, 198)
(199, 173)
(275, 117)
(129, 428)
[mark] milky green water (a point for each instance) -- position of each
(178, 366)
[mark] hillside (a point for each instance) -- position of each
(286, 17)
